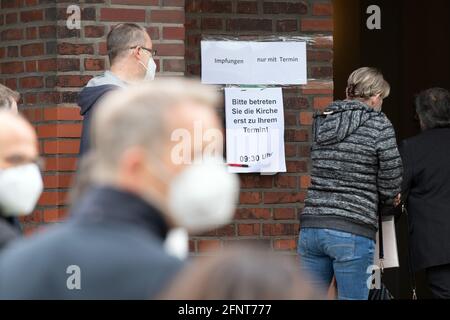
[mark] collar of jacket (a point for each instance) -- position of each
(103, 205)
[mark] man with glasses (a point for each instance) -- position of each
(20, 178)
(131, 53)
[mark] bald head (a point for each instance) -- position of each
(18, 141)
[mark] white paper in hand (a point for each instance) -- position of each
(389, 244)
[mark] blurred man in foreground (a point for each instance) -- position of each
(20, 178)
(147, 179)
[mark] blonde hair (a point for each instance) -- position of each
(365, 83)
(6, 95)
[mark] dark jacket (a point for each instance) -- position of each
(114, 237)
(426, 183)
(355, 162)
(88, 99)
(9, 230)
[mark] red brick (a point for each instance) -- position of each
(33, 15)
(62, 113)
(173, 3)
(30, 66)
(305, 182)
(12, 34)
(136, 2)
(285, 182)
(253, 229)
(290, 150)
(322, 102)
(173, 33)
(58, 181)
(73, 80)
(47, 65)
(321, 72)
(54, 215)
(285, 7)
(31, 33)
(252, 214)
(34, 49)
(322, 9)
(247, 7)
(296, 166)
(255, 181)
(320, 55)
(173, 65)
(68, 64)
(208, 6)
(116, 14)
(52, 198)
(153, 32)
(280, 229)
(316, 25)
(284, 213)
(31, 82)
(12, 67)
(94, 64)
(208, 245)
(13, 51)
(47, 32)
(169, 49)
(60, 130)
(167, 16)
(226, 231)
(247, 24)
(287, 25)
(306, 118)
(11, 18)
(62, 147)
(94, 31)
(60, 164)
(75, 49)
(296, 103)
(283, 197)
(250, 198)
(212, 24)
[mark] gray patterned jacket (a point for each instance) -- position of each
(355, 164)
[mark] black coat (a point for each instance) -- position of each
(116, 240)
(9, 230)
(426, 161)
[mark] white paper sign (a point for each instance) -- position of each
(247, 62)
(255, 130)
(389, 245)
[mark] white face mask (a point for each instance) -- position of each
(203, 196)
(20, 189)
(150, 69)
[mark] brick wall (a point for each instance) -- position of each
(270, 205)
(49, 64)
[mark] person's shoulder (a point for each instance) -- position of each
(33, 249)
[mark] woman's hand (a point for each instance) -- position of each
(397, 200)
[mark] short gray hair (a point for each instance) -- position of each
(6, 95)
(122, 37)
(367, 82)
(136, 116)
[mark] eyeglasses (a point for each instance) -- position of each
(151, 51)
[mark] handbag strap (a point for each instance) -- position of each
(410, 267)
(380, 242)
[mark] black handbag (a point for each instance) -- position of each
(382, 292)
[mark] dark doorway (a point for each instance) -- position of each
(412, 49)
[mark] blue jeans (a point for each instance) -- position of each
(324, 253)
